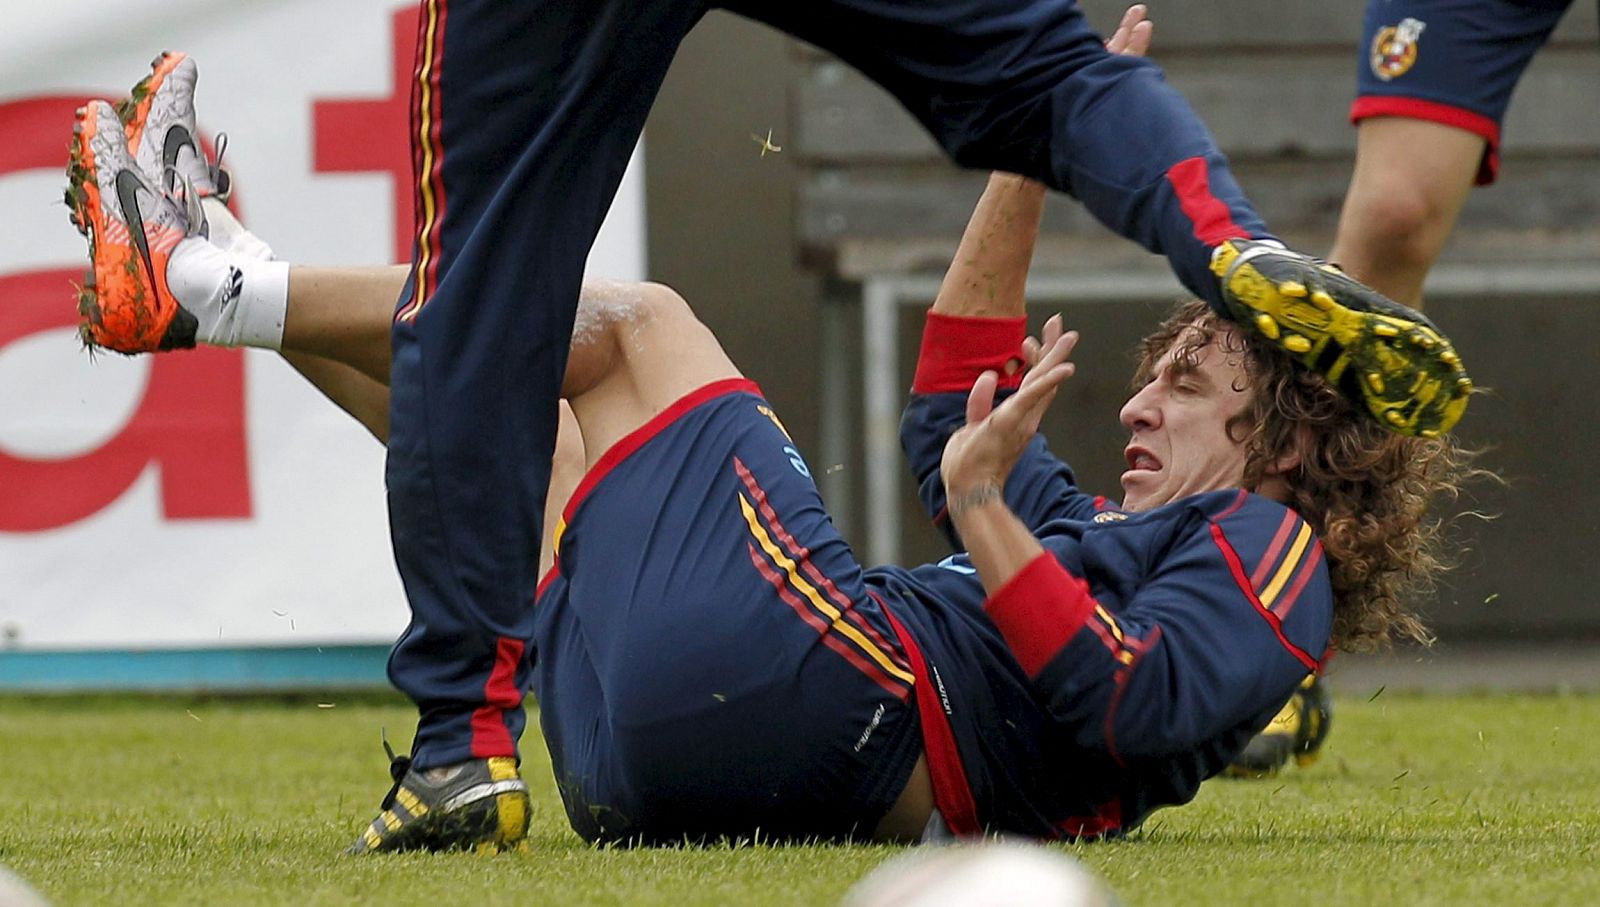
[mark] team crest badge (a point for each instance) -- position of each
(1394, 48)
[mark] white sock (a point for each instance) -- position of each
(230, 235)
(239, 300)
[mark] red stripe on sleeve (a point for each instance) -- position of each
(1236, 567)
(1138, 648)
(1213, 222)
(1273, 550)
(1306, 570)
(957, 349)
(1039, 610)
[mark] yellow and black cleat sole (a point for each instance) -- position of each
(1386, 358)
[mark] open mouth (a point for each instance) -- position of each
(1141, 460)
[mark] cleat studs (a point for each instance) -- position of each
(1394, 418)
(1267, 327)
(1293, 288)
(1385, 330)
(1375, 381)
(1464, 384)
(1450, 358)
(1294, 343)
(1322, 300)
(1429, 433)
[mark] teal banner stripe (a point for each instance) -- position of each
(241, 668)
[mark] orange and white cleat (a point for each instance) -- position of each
(132, 228)
(158, 118)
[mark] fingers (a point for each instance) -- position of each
(1033, 348)
(1139, 43)
(980, 400)
(1030, 351)
(1054, 351)
(1052, 331)
(1133, 33)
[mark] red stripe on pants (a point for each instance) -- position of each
(500, 694)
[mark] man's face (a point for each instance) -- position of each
(1179, 421)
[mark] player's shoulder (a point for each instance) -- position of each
(1237, 507)
(1252, 527)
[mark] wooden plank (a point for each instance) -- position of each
(1256, 105)
(1533, 193)
(856, 258)
(1270, 26)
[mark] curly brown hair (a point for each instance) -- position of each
(1368, 494)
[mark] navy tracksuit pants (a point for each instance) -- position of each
(524, 115)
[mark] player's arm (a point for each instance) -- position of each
(977, 325)
(1210, 643)
(980, 457)
(1040, 486)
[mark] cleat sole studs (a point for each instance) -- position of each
(1293, 288)
(1267, 327)
(1375, 381)
(1323, 301)
(1294, 343)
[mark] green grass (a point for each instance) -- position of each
(1419, 800)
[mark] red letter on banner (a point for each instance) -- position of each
(374, 136)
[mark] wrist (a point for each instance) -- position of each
(970, 497)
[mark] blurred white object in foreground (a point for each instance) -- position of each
(981, 875)
(16, 893)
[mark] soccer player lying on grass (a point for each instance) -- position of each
(711, 660)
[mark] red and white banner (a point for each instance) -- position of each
(207, 496)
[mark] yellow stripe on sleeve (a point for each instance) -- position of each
(1286, 569)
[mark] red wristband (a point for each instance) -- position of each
(956, 349)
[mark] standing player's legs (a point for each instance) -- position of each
(1411, 179)
(1026, 86)
(1434, 80)
(524, 116)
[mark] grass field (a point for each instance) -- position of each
(1419, 800)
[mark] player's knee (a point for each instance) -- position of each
(623, 313)
(1396, 223)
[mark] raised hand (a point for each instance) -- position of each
(1133, 33)
(980, 455)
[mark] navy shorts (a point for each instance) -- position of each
(708, 663)
(1454, 62)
